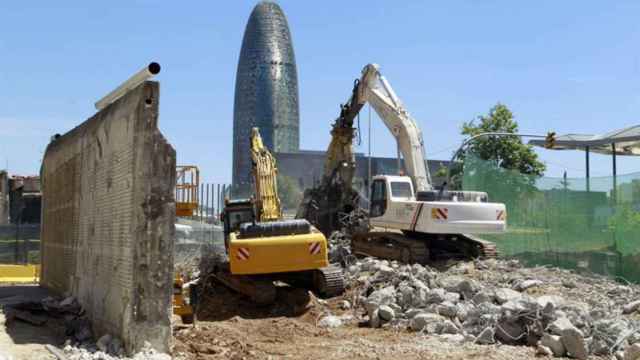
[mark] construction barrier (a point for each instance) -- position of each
(577, 223)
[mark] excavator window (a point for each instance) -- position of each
(401, 189)
(378, 198)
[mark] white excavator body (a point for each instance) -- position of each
(394, 205)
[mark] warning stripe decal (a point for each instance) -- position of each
(440, 213)
(314, 248)
(242, 254)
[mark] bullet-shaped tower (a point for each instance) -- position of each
(266, 93)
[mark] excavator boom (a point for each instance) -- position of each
(403, 210)
(265, 175)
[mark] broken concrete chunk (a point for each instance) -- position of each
(426, 322)
(542, 350)
(482, 296)
(486, 336)
(631, 307)
(413, 312)
(554, 300)
(558, 326)
(380, 297)
(103, 342)
(632, 352)
(554, 343)
(374, 319)
(526, 284)
(447, 309)
(503, 295)
(452, 297)
(447, 327)
(435, 296)
(330, 321)
(574, 343)
(386, 313)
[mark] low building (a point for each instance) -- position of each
(307, 166)
(24, 199)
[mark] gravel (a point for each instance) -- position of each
(556, 311)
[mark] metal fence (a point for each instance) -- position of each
(20, 244)
(585, 225)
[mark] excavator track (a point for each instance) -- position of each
(262, 291)
(486, 249)
(392, 245)
(411, 247)
(328, 281)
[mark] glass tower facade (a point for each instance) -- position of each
(266, 94)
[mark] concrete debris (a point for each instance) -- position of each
(557, 311)
(503, 295)
(542, 350)
(90, 352)
(386, 313)
(631, 307)
(345, 305)
(526, 284)
(486, 336)
(426, 322)
(573, 340)
(554, 343)
(632, 352)
(330, 321)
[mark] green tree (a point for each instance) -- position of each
(503, 166)
(506, 152)
(289, 192)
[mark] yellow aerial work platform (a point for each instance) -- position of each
(187, 183)
(19, 273)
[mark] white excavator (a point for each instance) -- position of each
(408, 219)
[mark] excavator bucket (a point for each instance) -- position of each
(277, 247)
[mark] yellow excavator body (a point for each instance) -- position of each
(276, 254)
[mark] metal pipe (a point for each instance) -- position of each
(138, 78)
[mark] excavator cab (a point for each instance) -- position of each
(236, 213)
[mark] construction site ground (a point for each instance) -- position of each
(21, 340)
(231, 327)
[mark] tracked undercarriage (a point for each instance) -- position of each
(261, 289)
(413, 247)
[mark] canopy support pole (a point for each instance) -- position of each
(586, 152)
(615, 180)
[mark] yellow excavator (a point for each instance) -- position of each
(262, 247)
(186, 195)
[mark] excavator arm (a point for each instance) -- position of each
(335, 194)
(402, 126)
(267, 202)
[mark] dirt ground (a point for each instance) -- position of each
(230, 327)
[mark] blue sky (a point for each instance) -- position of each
(571, 66)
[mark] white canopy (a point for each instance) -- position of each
(625, 142)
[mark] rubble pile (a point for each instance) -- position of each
(102, 351)
(68, 314)
(499, 301)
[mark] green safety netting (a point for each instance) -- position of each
(590, 225)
